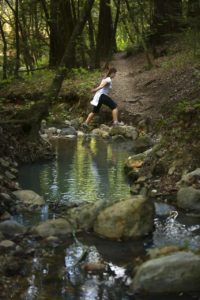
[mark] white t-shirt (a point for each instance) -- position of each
(105, 90)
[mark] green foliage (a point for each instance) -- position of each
(58, 114)
(185, 118)
(179, 60)
(43, 75)
(4, 82)
(186, 106)
(185, 51)
(161, 123)
(182, 106)
(81, 81)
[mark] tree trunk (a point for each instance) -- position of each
(62, 70)
(61, 27)
(105, 33)
(73, 10)
(194, 22)
(139, 34)
(25, 45)
(17, 41)
(92, 41)
(193, 8)
(47, 17)
(117, 3)
(4, 51)
(166, 20)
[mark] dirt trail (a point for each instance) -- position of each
(142, 93)
(130, 87)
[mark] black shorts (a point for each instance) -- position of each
(104, 99)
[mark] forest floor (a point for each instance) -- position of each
(152, 93)
(168, 97)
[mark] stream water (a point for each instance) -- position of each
(91, 169)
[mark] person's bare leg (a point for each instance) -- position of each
(89, 118)
(115, 115)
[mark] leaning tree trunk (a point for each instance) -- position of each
(194, 22)
(17, 37)
(105, 33)
(17, 40)
(47, 16)
(4, 51)
(25, 43)
(62, 70)
(92, 41)
(61, 28)
(117, 3)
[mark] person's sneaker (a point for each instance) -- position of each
(118, 124)
(85, 126)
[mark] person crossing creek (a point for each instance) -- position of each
(101, 98)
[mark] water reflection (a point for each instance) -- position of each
(82, 171)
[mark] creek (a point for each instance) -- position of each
(85, 170)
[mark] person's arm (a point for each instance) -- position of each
(103, 83)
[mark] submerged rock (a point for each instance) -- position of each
(130, 218)
(56, 227)
(29, 198)
(177, 272)
(188, 198)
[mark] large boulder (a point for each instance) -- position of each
(177, 272)
(68, 131)
(126, 131)
(188, 198)
(84, 216)
(29, 198)
(57, 227)
(126, 219)
(100, 132)
(11, 228)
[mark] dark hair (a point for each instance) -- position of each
(110, 71)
